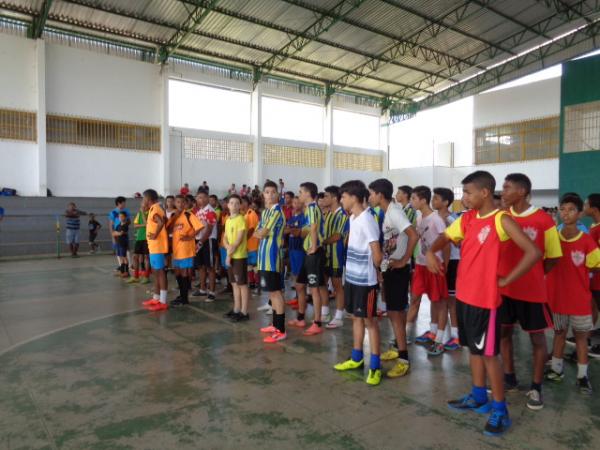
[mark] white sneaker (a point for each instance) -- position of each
(335, 323)
(269, 312)
(264, 307)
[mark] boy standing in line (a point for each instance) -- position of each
(113, 220)
(481, 231)
(207, 246)
(360, 292)
(403, 199)
(294, 228)
(251, 224)
(141, 265)
(93, 227)
(73, 225)
(121, 234)
(592, 209)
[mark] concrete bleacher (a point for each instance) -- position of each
(29, 225)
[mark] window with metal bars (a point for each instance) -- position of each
(517, 141)
(357, 161)
(18, 125)
(581, 127)
(283, 155)
(216, 149)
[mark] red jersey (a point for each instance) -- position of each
(569, 282)
(481, 237)
(595, 234)
(541, 229)
(288, 212)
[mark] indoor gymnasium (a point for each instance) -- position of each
(298, 224)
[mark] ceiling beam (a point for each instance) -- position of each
(37, 25)
(570, 12)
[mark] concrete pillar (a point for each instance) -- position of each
(256, 131)
(384, 142)
(328, 131)
(40, 165)
(165, 153)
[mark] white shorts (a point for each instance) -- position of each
(578, 323)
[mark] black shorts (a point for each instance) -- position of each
(207, 255)
(596, 296)
(238, 271)
(313, 270)
(270, 281)
(334, 272)
(478, 329)
(533, 317)
(395, 288)
(141, 248)
(92, 237)
(361, 301)
(451, 276)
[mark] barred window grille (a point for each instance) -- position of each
(356, 161)
(582, 127)
(101, 133)
(517, 141)
(283, 155)
(18, 125)
(216, 149)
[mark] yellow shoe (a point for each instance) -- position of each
(349, 365)
(374, 377)
(399, 370)
(390, 355)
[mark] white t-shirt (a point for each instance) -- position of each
(428, 229)
(454, 249)
(395, 239)
(359, 260)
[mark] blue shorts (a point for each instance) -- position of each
(185, 263)
(223, 253)
(296, 261)
(157, 261)
(72, 237)
(121, 251)
(252, 258)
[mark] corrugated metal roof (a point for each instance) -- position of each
(383, 44)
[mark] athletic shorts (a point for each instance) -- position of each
(206, 256)
(223, 254)
(72, 237)
(395, 288)
(238, 271)
(297, 261)
(270, 281)
(580, 324)
(92, 236)
(252, 258)
(451, 276)
(184, 263)
(141, 248)
(532, 317)
(425, 282)
(122, 250)
(313, 270)
(157, 261)
(361, 301)
(478, 329)
(596, 296)
(334, 272)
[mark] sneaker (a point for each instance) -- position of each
(159, 307)
(178, 302)
(399, 370)
(584, 386)
(132, 280)
(326, 318)
(269, 330)
(210, 298)
(425, 338)
(297, 323)
(275, 337)
(150, 302)
(510, 387)
(390, 355)
(452, 345)
(466, 403)
(571, 357)
(551, 375)
(374, 377)
(497, 423)
(570, 340)
(264, 307)
(594, 351)
(313, 330)
(240, 317)
(269, 312)
(229, 314)
(144, 280)
(535, 401)
(335, 323)
(435, 349)
(293, 301)
(349, 364)
(198, 293)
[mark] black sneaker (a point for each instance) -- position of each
(179, 302)
(497, 424)
(252, 286)
(210, 298)
(239, 317)
(571, 357)
(594, 351)
(584, 385)
(229, 315)
(570, 340)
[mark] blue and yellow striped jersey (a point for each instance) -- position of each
(270, 247)
(379, 216)
(337, 223)
(313, 215)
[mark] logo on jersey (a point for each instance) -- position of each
(577, 257)
(531, 232)
(484, 233)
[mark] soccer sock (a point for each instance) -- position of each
(184, 288)
(454, 332)
(318, 322)
(121, 268)
(300, 316)
(324, 310)
(178, 280)
(403, 354)
(155, 297)
(536, 386)
(510, 378)
(375, 362)
(339, 314)
(279, 322)
(499, 406)
(433, 327)
(163, 296)
(439, 337)
(479, 394)
(557, 364)
(357, 355)
(126, 268)
(582, 370)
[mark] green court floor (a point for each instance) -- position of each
(84, 367)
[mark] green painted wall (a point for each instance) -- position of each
(580, 83)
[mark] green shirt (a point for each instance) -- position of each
(140, 233)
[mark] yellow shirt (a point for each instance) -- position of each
(233, 227)
(161, 243)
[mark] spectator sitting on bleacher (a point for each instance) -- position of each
(185, 189)
(72, 227)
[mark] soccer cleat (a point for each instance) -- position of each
(150, 302)
(159, 307)
(425, 339)
(349, 364)
(390, 355)
(275, 337)
(313, 330)
(594, 351)
(199, 293)
(452, 344)
(210, 298)
(535, 401)
(297, 323)
(132, 280)
(264, 307)
(551, 375)
(399, 370)
(467, 403)
(497, 423)
(178, 302)
(584, 386)
(510, 387)
(374, 377)
(335, 323)
(435, 349)
(269, 330)
(229, 314)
